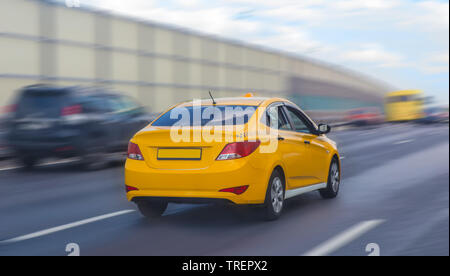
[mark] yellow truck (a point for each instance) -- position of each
(404, 105)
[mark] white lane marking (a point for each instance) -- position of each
(59, 162)
(49, 163)
(344, 238)
(10, 168)
(64, 227)
(403, 142)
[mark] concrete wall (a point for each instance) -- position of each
(159, 65)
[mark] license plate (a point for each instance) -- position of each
(179, 154)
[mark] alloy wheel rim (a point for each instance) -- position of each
(335, 178)
(277, 194)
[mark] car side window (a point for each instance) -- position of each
(115, 104)
(94, 105)
(298, 121)
(130, 106)
(276, 117)
(128, 103)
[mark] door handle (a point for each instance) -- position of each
(307, 142)
(280, 138)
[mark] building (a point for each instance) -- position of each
(46, 42)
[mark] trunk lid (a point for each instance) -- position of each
(160, 151)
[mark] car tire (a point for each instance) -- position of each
(275, 196)
(28, 162)
(94, 160)
(151, 209)
(333, 182)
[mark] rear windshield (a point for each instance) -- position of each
(206, 115)
(47, 105)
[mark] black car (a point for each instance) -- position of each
(89, 123)
(5, 150)
(434, 115)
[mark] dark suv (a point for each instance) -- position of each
(5, 151)
(90, 123)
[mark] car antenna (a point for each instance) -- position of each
(212, 98)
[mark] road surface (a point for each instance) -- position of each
(394, 200)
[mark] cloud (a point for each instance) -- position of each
(391, 39)
(188, 3)
(436, 63)
(213, 20)
(217, 21)
(294, 13)
(124, 7)
(275, 3)
(374, 54)
(442, 58)
(291, 39)
(429, 15)
(434, 69)
(367, 5)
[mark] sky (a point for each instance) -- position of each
(402, 42)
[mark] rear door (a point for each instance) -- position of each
(134, 117)
(99, 131)
(117, 120)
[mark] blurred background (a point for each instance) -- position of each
(161, 65)
(70, 43)
(67, 67)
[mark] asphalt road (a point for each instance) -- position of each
(394, 200)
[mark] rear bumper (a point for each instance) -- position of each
(51, 146)
(43, 149)
(188, 200)
(200, 185)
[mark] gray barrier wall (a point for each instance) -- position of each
(41, 41)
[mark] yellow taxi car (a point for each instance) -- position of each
(243, 150)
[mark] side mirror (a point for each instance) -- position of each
(324, 129)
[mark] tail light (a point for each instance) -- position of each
(9, 109)
(130, 188)
(235, 190)
(73, 114)
(71, 110)
(238, 150)
(134, 152)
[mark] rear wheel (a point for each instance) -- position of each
(28, 162)
(334, 181)
(152, 209)
(94, 160)
(274, 202)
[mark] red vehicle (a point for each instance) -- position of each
(364, 116)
